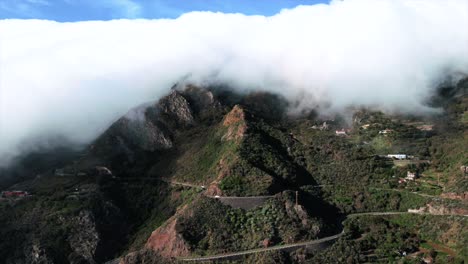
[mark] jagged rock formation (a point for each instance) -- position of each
(148, 127)
(152, 127)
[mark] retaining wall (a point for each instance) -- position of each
(245, 203)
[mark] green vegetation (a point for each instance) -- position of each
(464, 118)
(402, 238)
(237, 229)
(196, 158)
(266, 153)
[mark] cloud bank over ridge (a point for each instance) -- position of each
(74, 79)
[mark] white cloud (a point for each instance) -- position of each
(74, 79)
(39, 2)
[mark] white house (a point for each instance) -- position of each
(397, 156)
(385, 131)
(411, 175)
(341, 132)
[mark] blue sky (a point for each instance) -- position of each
(79, 10)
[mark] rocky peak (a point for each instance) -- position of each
(144, 134)
(176, 106)
(199, 98)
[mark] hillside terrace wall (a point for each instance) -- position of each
(245, 203)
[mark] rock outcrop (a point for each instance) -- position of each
(177, 108)
(84, 237)
(152, 127)
(36, 254)
(235, 121)
(167, 242)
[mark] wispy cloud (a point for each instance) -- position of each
(125, 8)
(39, 2)
(109, 8)
(23, 8)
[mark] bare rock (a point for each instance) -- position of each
(167, 242)
(84, 237)
(235, 122)
(177, 107)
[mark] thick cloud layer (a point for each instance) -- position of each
(74, 79)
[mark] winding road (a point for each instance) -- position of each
(253, 251)
(317, 242)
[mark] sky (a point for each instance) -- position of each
(83, 10)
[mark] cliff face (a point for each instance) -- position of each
(84, 237)
(152, 128)
(74, 239)
(146, 128)
(66, 220)
(176, 107)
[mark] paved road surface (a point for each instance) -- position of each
(252, 251)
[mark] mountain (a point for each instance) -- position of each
(205, 172)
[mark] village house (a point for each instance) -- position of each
(385, 131)
(411, 175)
(341, 132)
(14, 194)
(397, 156)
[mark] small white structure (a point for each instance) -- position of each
(397, 156)
(341, 132)
(385, 131)
(464, 170)
(411, 175)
